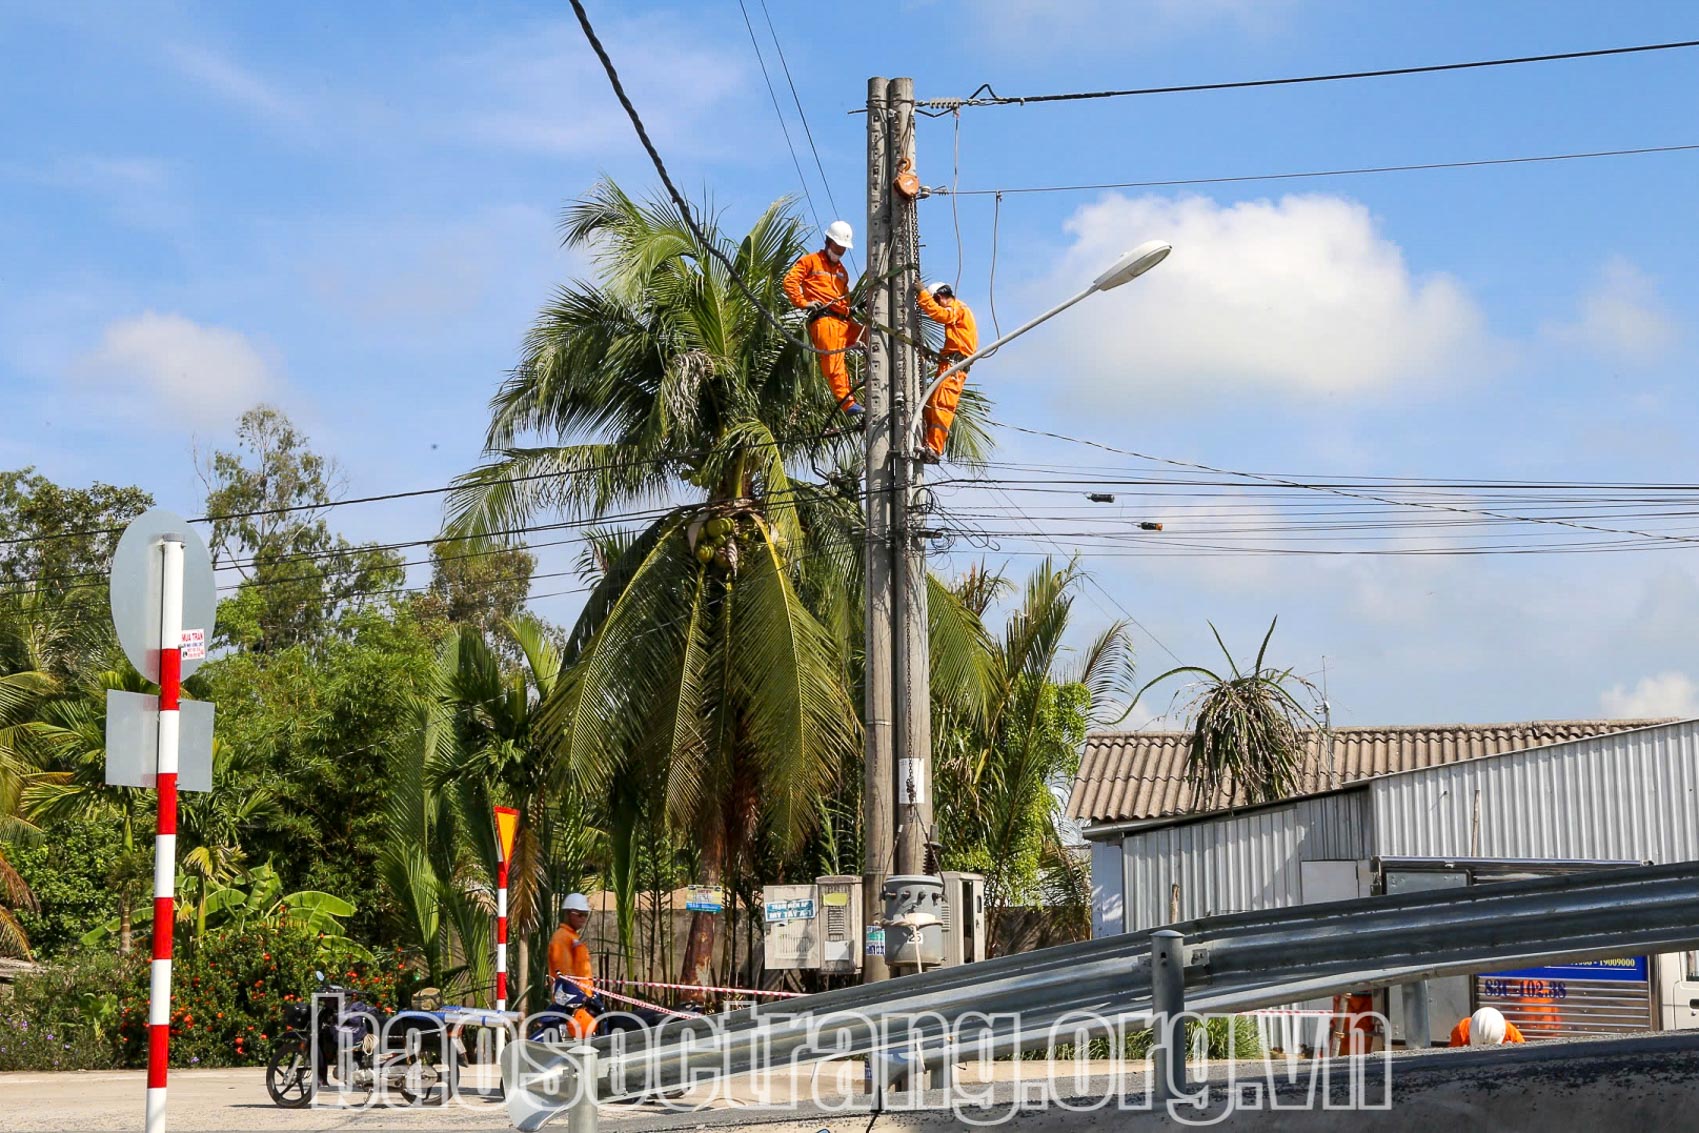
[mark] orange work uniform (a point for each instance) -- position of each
(961, 339)
(816, 279)
(1460, 1033)
(569, 957)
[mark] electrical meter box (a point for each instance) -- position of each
(840, 923)
(791, 932)
(964, 917)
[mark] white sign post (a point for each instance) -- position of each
(163, 602)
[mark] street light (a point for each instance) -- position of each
(1124, 270)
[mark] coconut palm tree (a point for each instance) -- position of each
(710, 669)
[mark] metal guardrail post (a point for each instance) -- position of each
(582, 1115)
(1168, 1003)
(1418, 1030)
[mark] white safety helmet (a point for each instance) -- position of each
(840, 233)
(1486, 1027)
(575, 903)
(940, 287)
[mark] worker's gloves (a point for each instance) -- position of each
(815, 308)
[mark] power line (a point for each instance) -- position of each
(992, 98)
(825, 182)
(1347, 492)
(942, 190)
(678, 200)
(285, 509)
(774, 95)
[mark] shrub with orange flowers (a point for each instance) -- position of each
(227, 997)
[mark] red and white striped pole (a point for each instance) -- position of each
(165, 831)
(507, 825)
(501, 935)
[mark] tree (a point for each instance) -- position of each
(319, 725)
(999, 768)
(268, 501)
(1248, 742)
(696, 670)
(478, 588)
(53, 538)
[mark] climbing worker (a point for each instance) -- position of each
(819, 284)
(572, 979)
(961, 340)
(1486, 1027)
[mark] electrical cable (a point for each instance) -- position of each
(807, 132)
(996, 218)
(1315, 173)
(1340, 491)
(286, 509)
(774, 95)
(995, 99)
(956, 180)
(685, 211)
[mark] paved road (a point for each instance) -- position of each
(1641, 1085)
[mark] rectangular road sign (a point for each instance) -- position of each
(132, 741)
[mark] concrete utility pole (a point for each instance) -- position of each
(879, 777)
(909, 637)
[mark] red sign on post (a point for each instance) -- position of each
(507, 829)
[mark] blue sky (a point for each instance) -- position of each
(349, 210)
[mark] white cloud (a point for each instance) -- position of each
(231, 81)
(177, 367)
(1300, 296)
(1669, 693)
(1622, 318)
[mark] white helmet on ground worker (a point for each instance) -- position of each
(1486, 1027)
(840, 233)
(939, 288)
(575, 903)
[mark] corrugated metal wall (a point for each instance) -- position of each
(1106, 889)
(1240, 862)
(1634, 795)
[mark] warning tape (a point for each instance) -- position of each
(650, 1006)
(700, 987)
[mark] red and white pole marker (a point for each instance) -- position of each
(165, 835)
(507, 826)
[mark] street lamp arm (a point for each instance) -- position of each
(964, 363)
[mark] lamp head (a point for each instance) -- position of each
(1132, 265)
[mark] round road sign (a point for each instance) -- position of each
(136, 585)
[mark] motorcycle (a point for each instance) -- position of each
(353, 1045)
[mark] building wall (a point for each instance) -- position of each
(1634, 795)
(1238, 862)
(1108, 913)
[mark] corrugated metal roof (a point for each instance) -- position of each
(1126, 776)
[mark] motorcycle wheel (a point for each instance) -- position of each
(289, 1072)
(419, 1082)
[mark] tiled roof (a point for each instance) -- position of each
(1126, 776)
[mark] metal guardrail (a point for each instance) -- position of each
(1233, 962)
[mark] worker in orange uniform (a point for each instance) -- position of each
(961, 340)
(572, 977)
(1486, 1027)
(819, 284)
